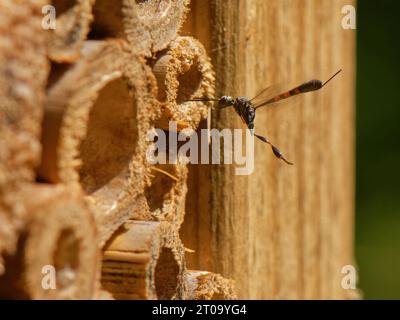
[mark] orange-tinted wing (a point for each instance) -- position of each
(271, 95)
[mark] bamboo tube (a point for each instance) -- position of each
(73, 18)
(144, 260)
(96, 116)
(119, 19)
(184, 72)
(59, 233)
(23, 74)
(165, 194)
(204, 285)
(162, 19)
(149, 26)
(113, 18)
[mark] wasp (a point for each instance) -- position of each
(246, 108)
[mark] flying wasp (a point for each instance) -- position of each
(246, 108)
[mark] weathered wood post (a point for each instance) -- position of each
(284, 231)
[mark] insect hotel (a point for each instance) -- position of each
(84, 214)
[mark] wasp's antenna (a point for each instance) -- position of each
(204, 99)
(331, 78)
(213, 100)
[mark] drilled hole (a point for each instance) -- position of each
(110, 141)
(161, 186)
(189, 83)
(14, 272)
(108, 20)
(57, 71)
(166, 275)
(66, 259)
(63, 6)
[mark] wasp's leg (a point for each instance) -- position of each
(275, 150)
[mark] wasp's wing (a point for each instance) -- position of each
(266, 96)
(265, 92)
(278, 94)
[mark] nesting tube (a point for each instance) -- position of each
(23, 74)
(72, 24)
(96, 117)
(184, 72)
(119, 19)
(113, 19)
(144, 260)
(165, 193)
(57, 256)
(204, 285)
(149, 26)
(165, 187)
(162, 19)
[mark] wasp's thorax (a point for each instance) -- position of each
(243, 107)
(245, 110)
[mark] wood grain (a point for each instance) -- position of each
(144, 260)
(284, 231)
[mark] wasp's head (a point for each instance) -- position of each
(226, 101)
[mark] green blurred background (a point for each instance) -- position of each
(378, 152)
